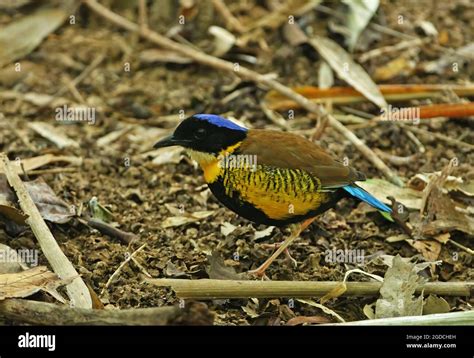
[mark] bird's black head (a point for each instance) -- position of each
(207, 133)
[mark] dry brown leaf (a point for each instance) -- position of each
(217, 270)
(381, 189)
(227, 228)
(347, 69)
(443, 238)
(51, 207)
(397, 291)
(430, 249)
(25, 283)
(186, 218)
(29, 31)
(8, 208)
(434, 304)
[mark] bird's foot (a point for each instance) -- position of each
(287, 252)
(259, 273)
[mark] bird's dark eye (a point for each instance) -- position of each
(200, 133)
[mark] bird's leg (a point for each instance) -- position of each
(296, 231)
(287, 252)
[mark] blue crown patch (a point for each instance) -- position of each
(220, 121)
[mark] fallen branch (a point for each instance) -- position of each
(76, 288)
(222, 289)
(42, 313)
(107, 229)
(243, 72)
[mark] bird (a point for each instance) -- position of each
(268, 177)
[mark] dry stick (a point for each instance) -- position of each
(117, 272)
(462, 247)
(392, 48)
(52, 171)
(74, 92)
(231, 20)
(107, 229)
(43, 313)
(243, 72)
(395, 159)
(222, 289)
(83, 75)
(76, 289)
(142, 14)
(442, 137)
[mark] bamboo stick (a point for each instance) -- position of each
(222, 289)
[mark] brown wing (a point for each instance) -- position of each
(287, 150)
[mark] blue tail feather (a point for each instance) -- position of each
(361, 194)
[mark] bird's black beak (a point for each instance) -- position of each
(170, 141)
(165, 142)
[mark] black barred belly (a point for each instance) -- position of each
(272, 196)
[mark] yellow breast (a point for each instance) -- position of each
(279, 193)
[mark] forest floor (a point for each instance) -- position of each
(142, 103)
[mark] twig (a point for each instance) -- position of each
(43, 313)
(414, 139)
(52, 171)
(395, 159)
(83, 75)
(232, 22)
(117, 272)
(465, 318)
(243, 72)
(392, 48)
(221, 289)
(76, 289)
(462, 247)
(142, 14)
(142, 269)
(320, 126)
(104, 228)
(75, 93)
(442, 137)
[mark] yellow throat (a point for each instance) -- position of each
(210, 163)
